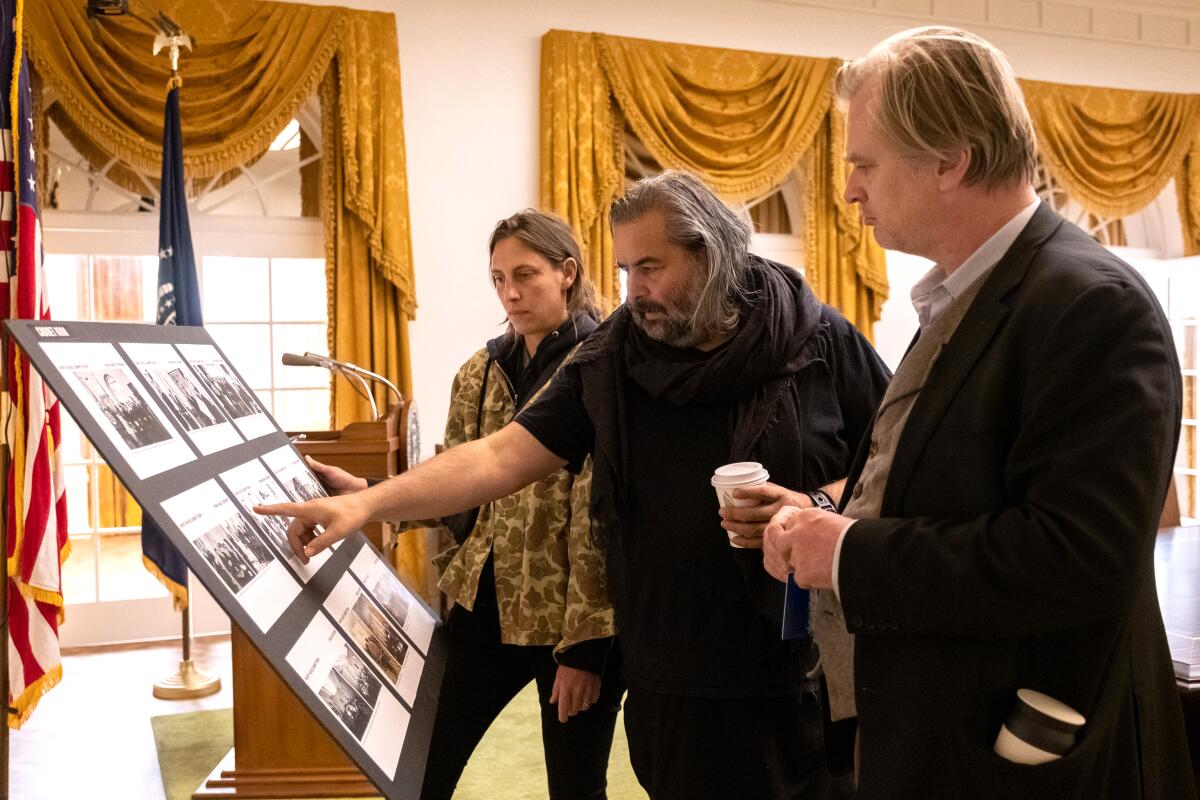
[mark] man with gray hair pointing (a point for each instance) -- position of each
(716, 356)
(998, 534)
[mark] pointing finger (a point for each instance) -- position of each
(280, 509)
(299, 534)
(322, 541)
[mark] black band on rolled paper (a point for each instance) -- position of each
(1041, 730)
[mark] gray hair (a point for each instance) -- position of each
(944, 90)
(717, 239)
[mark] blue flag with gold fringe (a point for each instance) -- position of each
(178, 304)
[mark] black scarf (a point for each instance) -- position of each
(774, 340)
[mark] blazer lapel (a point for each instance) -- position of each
(961, 352)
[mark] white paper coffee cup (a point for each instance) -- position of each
(734, 476)
(1038, 729)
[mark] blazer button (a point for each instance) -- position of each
(856, 620)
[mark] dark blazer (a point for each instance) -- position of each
(1016, 542)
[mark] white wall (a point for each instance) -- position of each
(470, 84)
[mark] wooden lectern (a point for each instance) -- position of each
(279, 749)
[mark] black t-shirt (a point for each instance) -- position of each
(682, 596)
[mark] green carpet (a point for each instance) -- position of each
(189, 746)
(507, 765)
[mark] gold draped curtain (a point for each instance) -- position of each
(1115, 150)
(741, 120)
(1188, 192)
(744, 120)
(253, 66)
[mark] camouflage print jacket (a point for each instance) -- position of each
(549, 567)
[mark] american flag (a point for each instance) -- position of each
(35, 505)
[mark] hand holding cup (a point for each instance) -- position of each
(747, 519)
(730, 477)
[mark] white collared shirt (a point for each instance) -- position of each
(936, 291)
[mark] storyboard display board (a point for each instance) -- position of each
(197, 450)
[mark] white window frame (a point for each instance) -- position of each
(125, 234)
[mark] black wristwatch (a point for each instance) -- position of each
(822, 500)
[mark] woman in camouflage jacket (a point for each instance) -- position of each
(527, 574)
(528, 578)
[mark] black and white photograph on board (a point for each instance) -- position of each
(228, 548)
(393, 602)
(303, 485)
(358, 675)
(225, 537)
(378, 624)
(184, 398)
(120, 406)
(112, 389)
(365, 624)
(334, 672)
(236, 399)
(351, 707)
(251, 484)
(179, 391)
(389, 659)
(406, 611)
(297, 480)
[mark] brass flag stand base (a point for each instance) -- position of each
(188, 683)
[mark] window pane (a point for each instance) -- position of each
(64, 286)
(235, 289)
(1189, 397)
(298, 290)
(293, 338)
(78, 497)
(303, 410)
(117, 286)
(1185, 294)
(1186, 486)
(248, 348)
(79, 571)
(72, 444)
(150, 289)
(1187, 341)
(123, 576)
(116, 507)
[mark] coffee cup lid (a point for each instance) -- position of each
(1050, 712)
(748, 479)
(738, 471)
(1043, 722)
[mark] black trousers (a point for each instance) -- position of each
(718, 748)
(482, 676)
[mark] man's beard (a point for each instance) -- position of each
(675, 326)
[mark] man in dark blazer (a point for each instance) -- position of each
(999, 529)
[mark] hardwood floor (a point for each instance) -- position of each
(90, 736)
